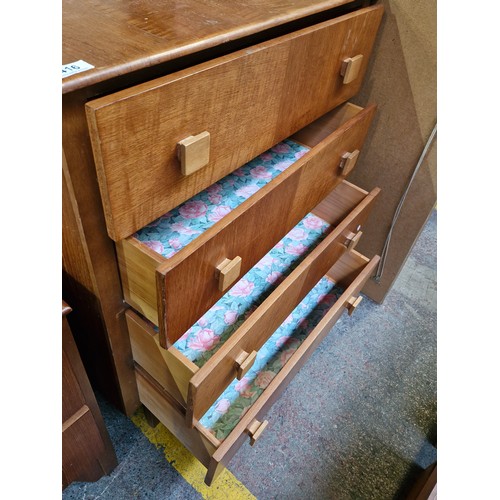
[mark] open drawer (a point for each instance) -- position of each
(159, 143)
(174, 270)
(223, 343)
(239, 411)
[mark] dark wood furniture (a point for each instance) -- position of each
(87, 451)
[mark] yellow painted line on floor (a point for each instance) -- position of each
(226, 486)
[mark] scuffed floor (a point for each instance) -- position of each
(357, 422)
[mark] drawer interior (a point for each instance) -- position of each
(192, 235)
(211, 331)
(223, 416)
(225, 425)
(183, 224)
(174, 230)
(225, 413)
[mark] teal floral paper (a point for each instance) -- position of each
(175, 229)
(210, 332)
(234, 402)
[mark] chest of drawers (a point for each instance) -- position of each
(223, 186)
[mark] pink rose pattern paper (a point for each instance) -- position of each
(210, 332)
(174, 230)
(234, 402)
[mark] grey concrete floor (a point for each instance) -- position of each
(357, 422)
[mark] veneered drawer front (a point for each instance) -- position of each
(227, 449)
(246, 101)
(350, 272)
(251, 230)
(220, 370)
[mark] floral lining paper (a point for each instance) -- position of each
(176, 229)
(234, 402)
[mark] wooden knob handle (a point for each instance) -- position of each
(227, 272)
(194, 152)
(244, 362)
(352, 303)
(255, 430)
(350, 68)
(353, 239)
(348, 161)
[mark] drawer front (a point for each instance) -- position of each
(221, 369)
(281, 205)
(159, 402)
(227, 449)
(351, 271)
(246, 102)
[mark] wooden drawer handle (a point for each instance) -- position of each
(348, 161)
(350, 68)
(353, 239)
(352, 303)
(194, 152)
(227, 272)
(255, 429)
(244, 362)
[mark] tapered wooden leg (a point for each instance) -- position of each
(150, 418)
(214, 469)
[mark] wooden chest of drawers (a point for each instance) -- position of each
(225, 130)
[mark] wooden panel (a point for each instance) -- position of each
(220, 370)
(162, 30)
(87, 451)
(274, 88)
(169, 368)
(325, 125)
(171, 415)
(146, 352)
(338, 204)
(188, 276)
(138, 263)
(345, 270)
(278, 384)
(72, 397)
(91, 281)
(407, 98)
(81, 447)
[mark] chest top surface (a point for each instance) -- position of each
(121, 36)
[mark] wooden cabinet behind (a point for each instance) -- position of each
(87, 451)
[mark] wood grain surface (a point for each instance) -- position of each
(219, 371)
(159, 402)
(250, 99)
(186, 287)
(91, 281)
(118, 36)
(278, 384)
(87, 450)
(149, 355)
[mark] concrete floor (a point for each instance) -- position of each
(357, 422)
